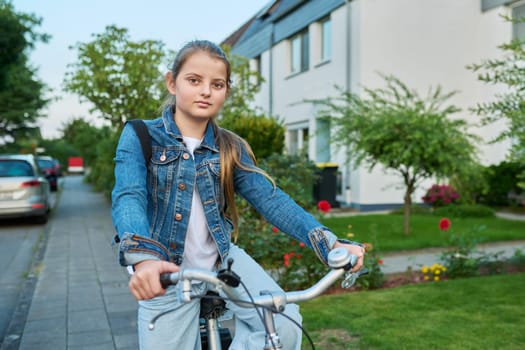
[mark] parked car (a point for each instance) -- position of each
(58, 167)
(47, 165)
(24, 191)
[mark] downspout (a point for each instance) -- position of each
(348, 193)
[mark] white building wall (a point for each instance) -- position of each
(425, 43)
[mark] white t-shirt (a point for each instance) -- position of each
(200, 250)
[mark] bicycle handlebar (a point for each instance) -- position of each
(339, 259)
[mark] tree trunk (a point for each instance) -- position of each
(408, 204)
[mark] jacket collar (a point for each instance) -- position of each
(172, 129)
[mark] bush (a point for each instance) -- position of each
(503, 180)
(441, 195)
(375, 277)
(465, 211)
(101, 174)
(290, 263)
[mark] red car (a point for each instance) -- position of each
(47, 165)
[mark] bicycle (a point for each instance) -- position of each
(271, 302)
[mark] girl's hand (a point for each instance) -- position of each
(145, 282)
(354, 250)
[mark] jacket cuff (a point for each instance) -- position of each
(322, 241)
(134, 249)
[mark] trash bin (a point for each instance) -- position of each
(325, 188)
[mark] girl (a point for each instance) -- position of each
(178, 211)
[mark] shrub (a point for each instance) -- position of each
(441, 195)
(465, 210)
(503, 180)
(375, 277)
(460, 259)
(291, 264)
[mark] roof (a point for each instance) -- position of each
(276, 21)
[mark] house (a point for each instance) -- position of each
(304, 48)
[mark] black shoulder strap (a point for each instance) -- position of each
(142, 132)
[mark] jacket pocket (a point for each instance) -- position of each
(163, 165)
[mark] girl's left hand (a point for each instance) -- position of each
(354, 250)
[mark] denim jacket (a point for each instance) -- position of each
(151, 203)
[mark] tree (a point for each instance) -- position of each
(21, 92)
(510, 105)
(83, 137)
(395, 127)
(121, 78)
(265, 134)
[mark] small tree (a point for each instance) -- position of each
(510, 105)
(121, 78)
(405, 133)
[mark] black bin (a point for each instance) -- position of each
(325, 187)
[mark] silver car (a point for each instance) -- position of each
(24, 190)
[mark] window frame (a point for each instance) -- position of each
(300, 61)
(326, 40)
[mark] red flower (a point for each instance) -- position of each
(380, 261)
(286, 258)
(275, 229)
(444, 224)
(324, 206)
(301, 244)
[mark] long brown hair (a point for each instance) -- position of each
(230, 145)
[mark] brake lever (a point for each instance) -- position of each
(351, 277)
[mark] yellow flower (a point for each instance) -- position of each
(426, 278)
(437, 272)
(436, 278)
(424, 269)
(349, 235)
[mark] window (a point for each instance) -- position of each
(255, 67)
(326, 40)
(299, 52)
(518, 27)
(298, 141)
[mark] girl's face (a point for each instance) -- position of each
(200, 88)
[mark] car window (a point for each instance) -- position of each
(14, 168)
(45, 164)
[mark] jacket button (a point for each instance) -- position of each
(186, 156)
(178, 216)
(173, 245)
(182, 186)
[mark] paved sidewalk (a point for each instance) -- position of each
(81, 299)
(401, 262)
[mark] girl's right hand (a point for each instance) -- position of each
(145, 282)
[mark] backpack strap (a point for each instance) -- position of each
(145, 142)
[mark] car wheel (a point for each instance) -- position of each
(42, 219)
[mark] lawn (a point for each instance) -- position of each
(386, 231)
(470, 313)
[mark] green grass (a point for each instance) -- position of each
(386, 231)
(471, 313)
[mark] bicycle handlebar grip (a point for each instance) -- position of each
(165, 280)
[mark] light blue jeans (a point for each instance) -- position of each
(180, 329)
